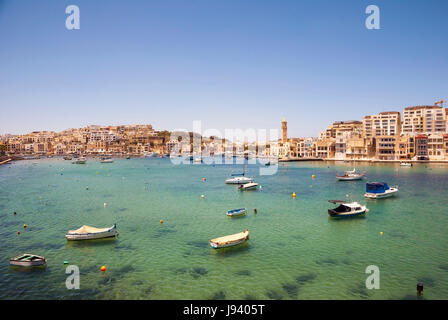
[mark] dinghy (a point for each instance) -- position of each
(28, 260)
(230, 240)
(106, 160)
(91, 233)
(236, 212)
(248, 186)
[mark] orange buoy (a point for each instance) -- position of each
(161, 221)
(18, 232)
(103, 268)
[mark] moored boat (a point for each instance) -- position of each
(350, 175)
(405, 164)
(28, 260)
(106, 160)
(239, 180)
(230, 240)
(248, 186)
(81, 160)
(379, 190)
(236, 212)
(347, 209)
(68, 158)
(92, 233)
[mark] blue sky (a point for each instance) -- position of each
(228, 63)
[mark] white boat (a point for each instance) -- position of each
(379, 190)
(350, 175)
(236, 212)
(347, 209)
(230, 240)
(405, 164)
(91, 233)
(106, 160)
(28, 260)
(239, 180)
(248, 186)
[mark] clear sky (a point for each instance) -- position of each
(229, 63)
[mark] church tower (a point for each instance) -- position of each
(284, 130)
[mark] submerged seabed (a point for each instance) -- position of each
(295, 251)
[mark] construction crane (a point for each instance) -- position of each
(441, 102)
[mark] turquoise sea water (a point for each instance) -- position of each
(295, 251)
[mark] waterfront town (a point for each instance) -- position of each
(419, 134)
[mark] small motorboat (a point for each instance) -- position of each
(91, 233)
(68, 158)
(81, 160)
(28, 260)
(405, 164)
(230, 240)
(347, 209)
(379, 190)
(248, 186)
(106, 160)
(350, 175)
(236, 212)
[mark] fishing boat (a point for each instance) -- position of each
(230, 240)
(347, 209)
(28, 260)
(350, 175)
(405, 164)
(106, 160)
(91, 233)
(379, 190)
(236, 212)
(81, 160)
(248, 186)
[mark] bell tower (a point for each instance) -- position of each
(284, 130)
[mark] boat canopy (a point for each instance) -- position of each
(88, 229)
(377, 187)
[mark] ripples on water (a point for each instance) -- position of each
(295, 251)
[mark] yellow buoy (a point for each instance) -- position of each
(24, 226)
(161, 221)
(381, 233)
(313, 176)
(103, 268)
(293, 194)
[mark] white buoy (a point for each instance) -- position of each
(105, 204)
(202, 196)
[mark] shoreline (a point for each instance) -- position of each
(6, 160)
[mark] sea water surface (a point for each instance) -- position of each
(295, 250)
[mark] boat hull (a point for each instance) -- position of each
(91, 236)
(348, 178)
(389, 193)
(348, 215)
(215, 245)
(239, 181)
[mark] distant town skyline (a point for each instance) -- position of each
(232, 64)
